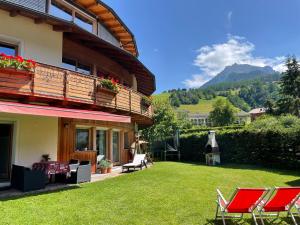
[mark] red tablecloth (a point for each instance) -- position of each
(52, 167)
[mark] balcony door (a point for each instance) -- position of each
(116, 146)
(6, 131)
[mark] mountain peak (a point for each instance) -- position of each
(238, 72)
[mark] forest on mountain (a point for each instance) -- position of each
(245, 95)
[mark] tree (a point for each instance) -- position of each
(223, 113)
(166, 121)
(290, 89)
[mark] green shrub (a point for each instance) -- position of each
(269, 141)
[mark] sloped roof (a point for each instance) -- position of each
(257, 111)
(112, 22)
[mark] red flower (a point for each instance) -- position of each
(19, 59)
(31, 62)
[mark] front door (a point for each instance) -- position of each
(116, 146)
(6, 131)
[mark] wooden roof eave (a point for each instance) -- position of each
(124, 58)
(107, 15)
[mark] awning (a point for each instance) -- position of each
(28, 109)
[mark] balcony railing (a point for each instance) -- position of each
(57, 83)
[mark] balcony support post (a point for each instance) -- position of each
(95, 90)
(66, 86)
(32, 83)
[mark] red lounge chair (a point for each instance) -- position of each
(281, 199)
(244, 200)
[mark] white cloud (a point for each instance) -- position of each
(196, 81)
(211, 60)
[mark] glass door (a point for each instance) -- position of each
(6, 131)
(116, 146)
(101, 143)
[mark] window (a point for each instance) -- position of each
(101, 142)
(115, 140)
(72, 64)
(8, 49)
(82, 139)
(83, 23)
(60, 11)
(81, 68)
(126, 140)
(69, 64)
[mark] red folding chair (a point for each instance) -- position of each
(281, 199)
(244, 200)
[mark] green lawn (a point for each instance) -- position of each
(168, 193)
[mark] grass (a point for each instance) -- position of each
(204, 106)
(162, 96)
(168, 193)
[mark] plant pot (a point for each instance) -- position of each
(145, 104)
(105, 90)
(109, 170)
(103, 170)
(15, 71)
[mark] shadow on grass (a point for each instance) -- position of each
(11, 194)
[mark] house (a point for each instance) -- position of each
(255, 113)
(86, 96)
(202, 119)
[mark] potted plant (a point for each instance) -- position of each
(109, 85)
(109, 166)
(16, 63)
(103, 166)
(146, 101)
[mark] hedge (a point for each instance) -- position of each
(201, 129)
(271, 148)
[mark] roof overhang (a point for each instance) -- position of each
(112, 21)
(49, 111)
(145, 79)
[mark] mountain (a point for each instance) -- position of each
(240, 72)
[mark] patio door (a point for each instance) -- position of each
(101, 143)
(116, 146)
(6, 132)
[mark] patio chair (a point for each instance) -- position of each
(73, 164)
(25, 179)
(138, 162)
(297, 207)
(244, 200)
(281, 199)
(82, 174)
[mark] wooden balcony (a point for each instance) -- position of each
(56, 84)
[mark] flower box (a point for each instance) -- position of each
(15, 71)
(106, 90)
(108, 85)
(146, 102)
(16, 64)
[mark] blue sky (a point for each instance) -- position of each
(186, 42)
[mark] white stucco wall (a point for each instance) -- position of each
(36, 41)
(33, 137)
